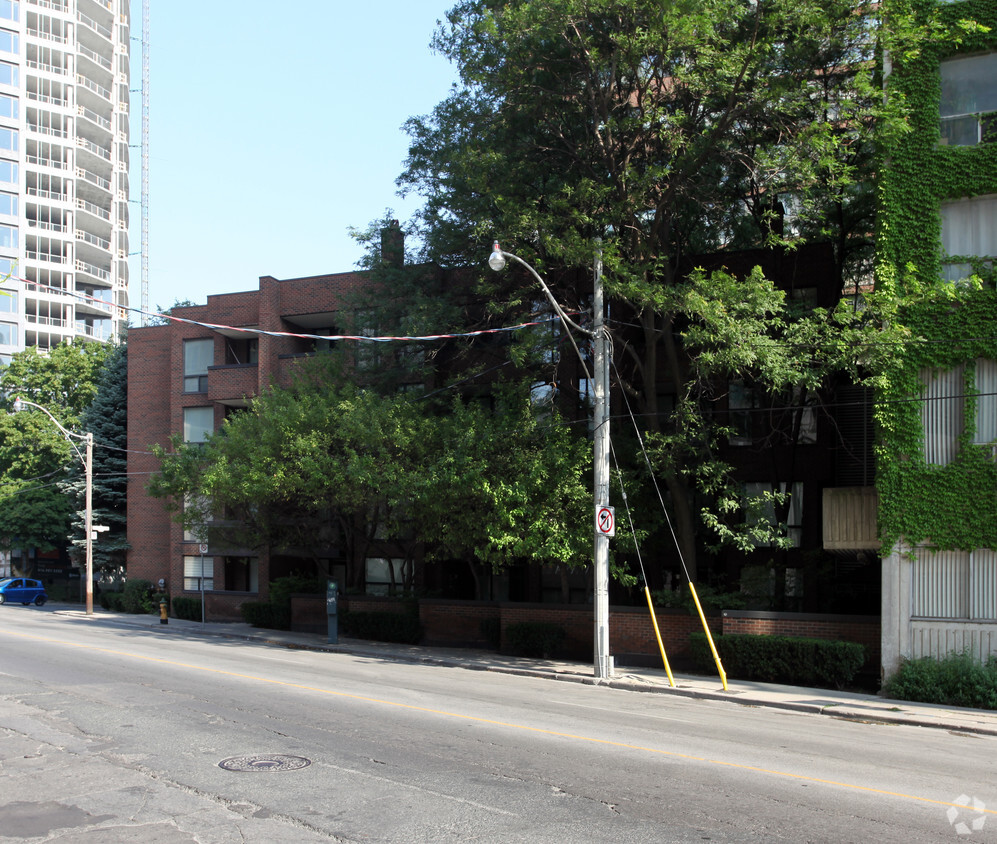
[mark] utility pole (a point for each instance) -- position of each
(602, 663)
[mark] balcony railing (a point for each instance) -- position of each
(48, 257)
(92, 239)
(45, 98)
(53, 322)
(96, 272)
(47, 36)
(46, 226)
(90, 85)
(47, 194)
(96, 27)
(46, 162)
(96, 149)
(49, 68)
(96, 58)
(96, 210)
(57, 5)
(47, 130)
(93, 178)
(93, 117)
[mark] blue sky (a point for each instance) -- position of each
(273, 128)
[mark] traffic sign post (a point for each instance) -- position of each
(605, 520)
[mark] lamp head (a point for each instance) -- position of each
(496, 260)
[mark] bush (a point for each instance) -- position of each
(113, 601)
(283, 588)
(782, 659)
(382, 626)
(491, 632)
(266, 614)
(539, 639)
(957, 680)
(137, 597)
(188, 609)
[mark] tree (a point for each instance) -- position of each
(34, 455)
(327, 459)
(106, 418)
(667, 130)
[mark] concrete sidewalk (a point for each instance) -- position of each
(847, 705)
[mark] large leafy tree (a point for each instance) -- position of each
(666, 129)
(35, 456)
(106, 418)
(328, 460)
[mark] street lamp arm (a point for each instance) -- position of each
(87, 462)
(69, 434)
(496, 250)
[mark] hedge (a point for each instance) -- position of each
(382, 626)
(781, 659)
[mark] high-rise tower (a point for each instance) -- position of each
(64, 80)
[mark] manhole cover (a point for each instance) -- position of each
(276, 762)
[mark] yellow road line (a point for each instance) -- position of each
(476, 719)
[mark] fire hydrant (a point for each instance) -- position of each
(163, 618)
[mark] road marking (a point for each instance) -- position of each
(507, 724)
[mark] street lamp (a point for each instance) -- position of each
(600, 341)
(87, 461)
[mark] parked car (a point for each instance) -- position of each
(22, 589)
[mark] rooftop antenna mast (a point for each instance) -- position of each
(145, 162)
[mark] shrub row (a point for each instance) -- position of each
(781, 659)
(138, 597)
(539, 639)
(957, 680)
(382, 626)
(188, 609)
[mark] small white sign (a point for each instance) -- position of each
(203, 548)
(605, 520)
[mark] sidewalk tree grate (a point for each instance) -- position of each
(274, 762)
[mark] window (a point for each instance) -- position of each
(198, 574)
(198, 532)
(8, 302)
(8, 203)
(9, 42)
(242, 574)
(761, 493)
(8, 334)
(8, 138)
(968, 106)
(986, 402)
(198, 355)
(242, 351)
(198, 423)
(741, 401)
(8, 171)
(942, 409)
(954, 584)
(379, 570)
(9, 107)
(969, 230)
(9, 74)
(10, 10)
(8, 237)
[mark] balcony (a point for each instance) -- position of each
(850, 519)
(93, 271)
(230, 384)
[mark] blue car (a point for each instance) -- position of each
(23, 590)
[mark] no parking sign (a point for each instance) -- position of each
(605, 520)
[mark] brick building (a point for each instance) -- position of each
(184, 378)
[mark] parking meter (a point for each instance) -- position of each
(332, 610)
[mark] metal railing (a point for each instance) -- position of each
(96, 149)
(90, 85)
(93, 117)
(96, 58)
(96, 272)
(96, 210)
(92, 239)
(93, 178)
(96, 27)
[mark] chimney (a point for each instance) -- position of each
(393, 245)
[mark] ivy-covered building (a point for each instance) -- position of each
(937, 406)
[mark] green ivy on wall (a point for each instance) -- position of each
(952, 506)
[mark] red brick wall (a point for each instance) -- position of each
(149, 423)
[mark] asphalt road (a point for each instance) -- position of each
(115, 734)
